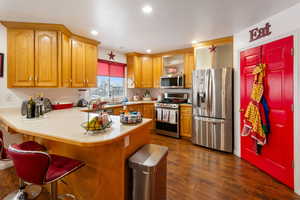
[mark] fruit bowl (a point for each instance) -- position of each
(98, 123)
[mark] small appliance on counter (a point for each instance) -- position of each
(83, 95)
(168, 114)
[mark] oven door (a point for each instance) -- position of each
(172, 82)
(164, 125)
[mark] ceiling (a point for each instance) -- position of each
(123, 26)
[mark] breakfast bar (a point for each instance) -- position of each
(105, 154)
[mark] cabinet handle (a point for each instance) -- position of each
(36, 78)
(87, 81)
(30, 78)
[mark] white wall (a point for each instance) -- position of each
(103, 54)
(283, 24)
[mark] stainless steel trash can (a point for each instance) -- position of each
(149, 173)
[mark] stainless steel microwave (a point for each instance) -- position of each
(172, 81)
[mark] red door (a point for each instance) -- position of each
(277, 155)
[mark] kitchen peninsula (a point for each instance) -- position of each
(105, 154)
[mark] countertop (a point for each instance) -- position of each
(129, 103)
(65, 126)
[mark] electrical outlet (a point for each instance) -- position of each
(126, 141)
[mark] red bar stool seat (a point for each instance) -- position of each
(40, 168)
(5, 163)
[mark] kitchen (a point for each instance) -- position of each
(161, 85)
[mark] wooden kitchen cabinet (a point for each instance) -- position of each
(157, 71)
(186, 121)
(66, 61)
(46, 59)
(189, 67)
(134, 71)
(117, 110)
(20, 58)
(148, 111)
(43, 55)
(147, 72)
(78, 64)
(91, 65)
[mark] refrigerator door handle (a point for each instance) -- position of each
(210, 120)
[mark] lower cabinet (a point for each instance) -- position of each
(186, 121)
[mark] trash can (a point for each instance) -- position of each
(149, 173)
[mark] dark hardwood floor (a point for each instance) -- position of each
(196, 173)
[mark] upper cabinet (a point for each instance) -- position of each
(145, 71)
(66, 67)
(90, 65)
(157, 71)
(189, 67)
(134, 65)
(49, 55)
(147, 78)
(46, 59)
(20, 58)
(78, 64)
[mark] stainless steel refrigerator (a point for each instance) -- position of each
(212, 108)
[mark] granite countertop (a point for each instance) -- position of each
(65, 126)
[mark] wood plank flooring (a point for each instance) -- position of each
(196, 173)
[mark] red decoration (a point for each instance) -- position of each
(212, 49)
(111, 56)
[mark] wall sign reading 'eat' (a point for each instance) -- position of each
(258, 33)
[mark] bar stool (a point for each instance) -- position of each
(5, 162)
(40, 168)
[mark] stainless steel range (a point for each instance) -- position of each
(168, 114)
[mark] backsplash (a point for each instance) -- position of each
(155, 92)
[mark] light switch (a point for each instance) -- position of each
(126, 141)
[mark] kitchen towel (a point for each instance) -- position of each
(172, 118)
(159, 114)
(166, 114)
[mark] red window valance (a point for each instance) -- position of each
(109, 68)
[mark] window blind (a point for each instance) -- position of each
(111, 69)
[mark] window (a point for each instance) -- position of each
(110, 80)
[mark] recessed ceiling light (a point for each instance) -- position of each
(148, 50)
(147, 9)
(94, 32)
(194, 42)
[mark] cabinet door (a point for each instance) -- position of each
(91, 65)
(78, 64)
(189, 67)
(46, 59)
(148, 111)
(147, 78)
(20, 58)
(186, 122)
(133, 72)
(157, 71)
(117, 110)
(66, 61)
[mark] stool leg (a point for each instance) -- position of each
(54, 190)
